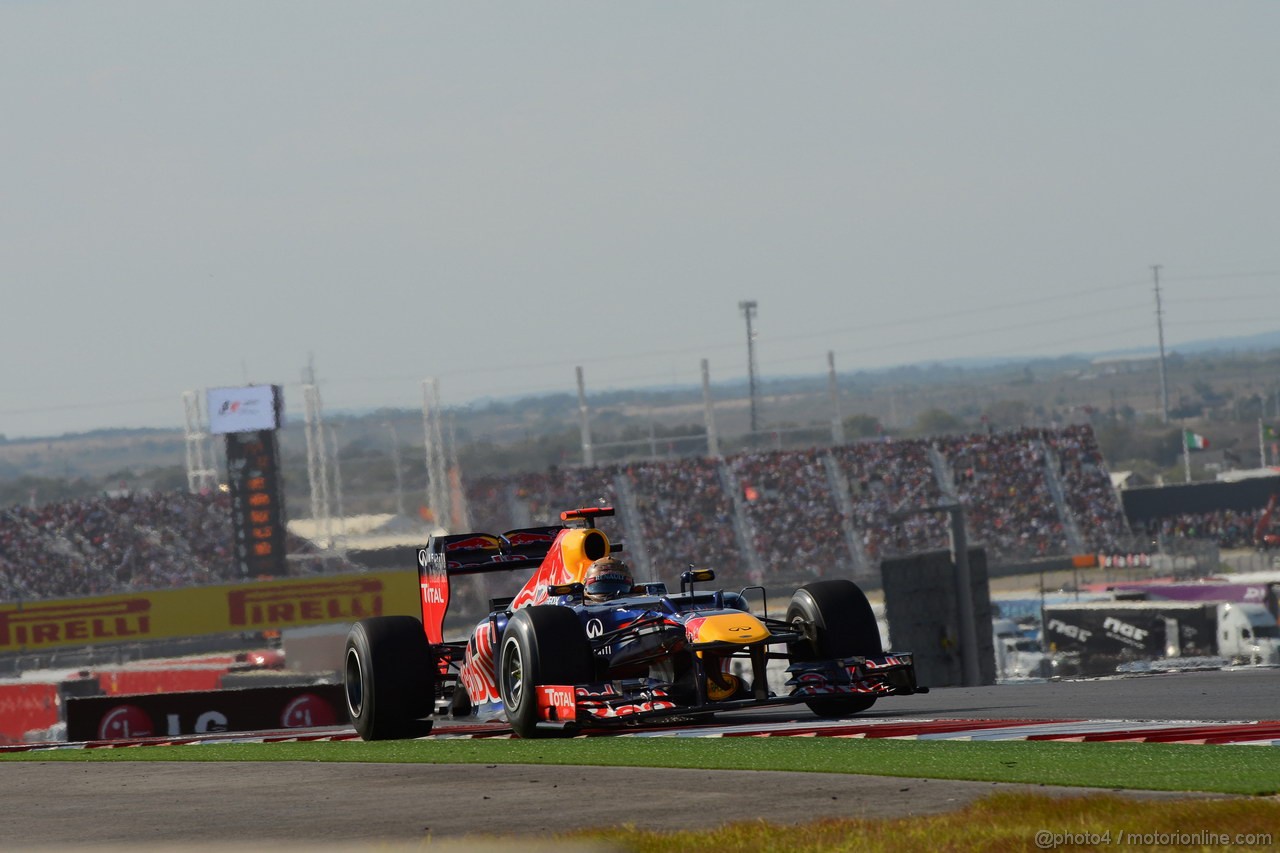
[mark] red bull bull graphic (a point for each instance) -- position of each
(524, 537)
(477, 673)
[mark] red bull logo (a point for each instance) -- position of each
(52, 624)
(474, 543)
(530, 538)
(477, 670)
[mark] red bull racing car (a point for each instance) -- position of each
(552, 662)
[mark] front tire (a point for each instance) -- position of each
(542, 645)
(836, 621)
(389, 677)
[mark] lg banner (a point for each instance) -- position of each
(176, 714)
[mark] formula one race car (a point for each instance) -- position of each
(552, 662)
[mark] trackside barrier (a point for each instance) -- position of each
(25, 707)
(242, 608)
(252, 709)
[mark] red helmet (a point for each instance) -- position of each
(607, 578)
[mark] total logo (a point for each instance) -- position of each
(557, 697)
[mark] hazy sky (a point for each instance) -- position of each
(196, 194)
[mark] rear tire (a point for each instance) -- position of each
(389, 676)
(542, 645)
(836, 621)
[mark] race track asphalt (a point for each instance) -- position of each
(68, 804)
(246, 805)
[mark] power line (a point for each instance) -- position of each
(1178, 279)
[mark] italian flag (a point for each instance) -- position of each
(1195, 441)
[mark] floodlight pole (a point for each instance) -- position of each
(1164, 375)
(433, 445)
(708, 414)
(584, 422)
(833, 385)
(395, 464)
(748, 308)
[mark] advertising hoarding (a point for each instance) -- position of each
(164, 614)
(246, 409)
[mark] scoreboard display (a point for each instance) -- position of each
(257, 502)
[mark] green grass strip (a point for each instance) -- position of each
(997, 823)
(1161, 767)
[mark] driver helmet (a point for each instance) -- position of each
(607, 578)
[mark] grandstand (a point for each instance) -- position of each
(776, 517)
(787, 516)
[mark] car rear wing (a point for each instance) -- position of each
(472, 554)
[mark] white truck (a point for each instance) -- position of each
(1017, 655)
(1106, 634)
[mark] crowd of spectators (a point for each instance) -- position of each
(1001, 478)
(114, 544)
(775, 511)
(1226, 528)
(686, 517)
(887, 479)
(570, 488)
(1087, 487)
(793, 511)
(795, 523)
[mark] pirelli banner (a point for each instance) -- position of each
(257, 606)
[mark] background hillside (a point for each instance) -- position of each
(1219, 393)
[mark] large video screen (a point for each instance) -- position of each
(248, 409)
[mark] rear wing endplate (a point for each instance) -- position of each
(473, 554)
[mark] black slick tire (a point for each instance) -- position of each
(541, 645)
(389, 676)
(836, 621)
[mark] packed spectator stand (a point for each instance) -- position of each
(114, 544)
(1225, 528)
(1002, 481)
(760, 516)
(885, 478)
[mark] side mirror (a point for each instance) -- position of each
(573, 589)
(691, 575)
